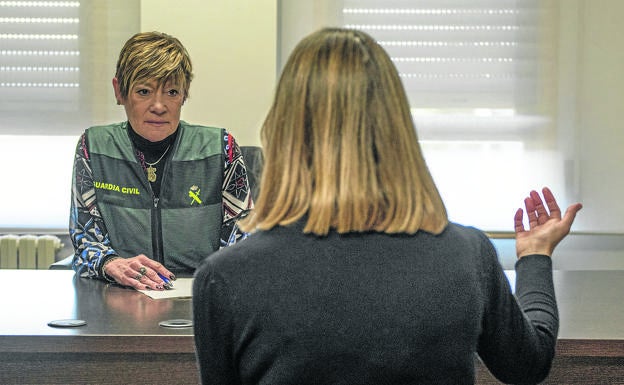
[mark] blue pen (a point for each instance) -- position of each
(167, 281)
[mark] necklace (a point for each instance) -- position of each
(151, 170)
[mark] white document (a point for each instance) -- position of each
(182, 288)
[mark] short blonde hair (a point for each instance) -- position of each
(153, 55)
(340, 145)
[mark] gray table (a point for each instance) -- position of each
(123, 343)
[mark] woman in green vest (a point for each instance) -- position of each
(153, 195)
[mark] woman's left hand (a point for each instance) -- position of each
(546, 227)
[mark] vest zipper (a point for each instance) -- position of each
(157, 233)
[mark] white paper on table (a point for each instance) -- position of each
(182, 288)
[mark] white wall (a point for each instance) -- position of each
(600, 103)
(318, 14)
(233, 47)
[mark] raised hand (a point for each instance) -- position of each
(546, 226)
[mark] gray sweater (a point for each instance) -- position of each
(283, 307)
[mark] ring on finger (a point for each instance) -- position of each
(142, 270)
(138, 277)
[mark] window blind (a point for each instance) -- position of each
(481, 58)
(57, 59)
(40, 56)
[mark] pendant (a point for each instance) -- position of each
(151, 174)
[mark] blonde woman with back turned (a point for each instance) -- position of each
(353, 273)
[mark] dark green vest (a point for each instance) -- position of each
(183, 225)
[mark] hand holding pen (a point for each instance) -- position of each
(168, 282)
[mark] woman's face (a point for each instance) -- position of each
(153, 112)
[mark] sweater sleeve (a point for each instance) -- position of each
(213, 328)
(519, 333)
(87, 231)
(237, 199)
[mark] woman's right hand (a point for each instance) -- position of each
(139, 272)
(546, 226)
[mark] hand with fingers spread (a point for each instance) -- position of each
(139, 272)
(546, 225)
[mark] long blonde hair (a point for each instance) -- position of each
(340, 145)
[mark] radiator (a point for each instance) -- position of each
(28, 251)
(8, 251)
